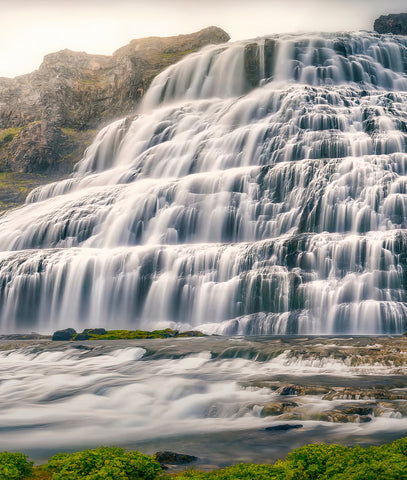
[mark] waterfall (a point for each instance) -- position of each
(260, 189)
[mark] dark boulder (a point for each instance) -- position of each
(174, 458)
(95, 331)
(289, 390)
(64, 335)
(394, 23)
(283, 427)
(82, 336)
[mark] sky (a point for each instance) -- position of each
(32, 28)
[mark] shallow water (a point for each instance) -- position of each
(201, 396)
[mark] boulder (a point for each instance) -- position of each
(174, 458)
(290, 390)
(283, 427)
(394, 23)
(81, 336)
(277, 408)
(95, 331)
(64, 335)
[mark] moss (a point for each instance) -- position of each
(14, 187)
(172, 55)
(138, 334)
(7, 134)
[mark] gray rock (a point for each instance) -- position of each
(283, 427)
(64, 335)
(394, 23)
(174, 458)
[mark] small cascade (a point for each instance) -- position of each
(260, 189)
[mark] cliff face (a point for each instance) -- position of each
(48, 117)
(395, 23)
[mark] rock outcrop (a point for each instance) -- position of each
(394, 23)
(48, 117)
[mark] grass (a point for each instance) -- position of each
(139, 334)
(14, 187)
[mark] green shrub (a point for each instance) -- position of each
(321, 462)
(103, 463)
(14, 466)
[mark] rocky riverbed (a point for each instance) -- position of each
(224, 400)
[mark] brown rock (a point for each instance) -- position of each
(278, 408)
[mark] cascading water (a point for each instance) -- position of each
(261, 190)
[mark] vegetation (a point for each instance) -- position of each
(321, 462)
(14, 466)
(135, 334)
(14, 187)
(7, 134)
(312, 462)
(107, 463)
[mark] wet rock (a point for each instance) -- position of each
(64, 335)
(401, 407)
(338, 416)
(283, 427)
(394, 23)
(95, 331)
(278, 408)
(290, 390)
(357, 408)
(269, 57)
(252, 64)
(82, 336)
(363, 394)
(25, 336)
(174, 458)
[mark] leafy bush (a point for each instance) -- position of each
(14, 466)
(312, 462)
(103, 463)
(321, 462)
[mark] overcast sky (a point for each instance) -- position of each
(32, 28)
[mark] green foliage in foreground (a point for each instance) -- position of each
(103, 463)
(312, 462)
(321, 462)
(14, 466)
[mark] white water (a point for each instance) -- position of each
(262, 189)
(63, 397)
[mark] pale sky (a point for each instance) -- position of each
(32, 28)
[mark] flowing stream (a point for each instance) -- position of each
(210, 397)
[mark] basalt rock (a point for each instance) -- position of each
(394, 23)
(64, 335)
(173, 458)
(283, 427)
